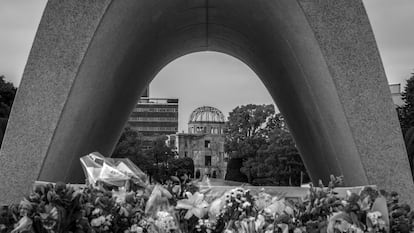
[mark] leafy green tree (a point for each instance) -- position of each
(162, 155)
(180, 166)
(244, 129)
(130, 146)
(233, 170)
(244, 135)
(261, 139)
(160, 162)
(406, 112)
(278, 161)
(7, 94)
(406, 118)
(409, 144)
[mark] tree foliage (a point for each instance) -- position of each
(406, 117)
(261, 139)
(244, 130)
(180, 166)
(159, 162)
(130, 146)
(7, 94)
(406, 112)
(233, 170)
(167, 163)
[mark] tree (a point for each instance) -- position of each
(180, 166)
(166, 162)
(409, 144)
(129, 146)
(261, 139)
(233, 170)
(406, 112)
(7, 94)
(244, 129)
(244, 134)
(406, 118)
(279, 152)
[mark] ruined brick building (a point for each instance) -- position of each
(204, 142)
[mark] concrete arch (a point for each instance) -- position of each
(91, 60)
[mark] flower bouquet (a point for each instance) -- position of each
(182, 205)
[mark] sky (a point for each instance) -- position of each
(210, 78)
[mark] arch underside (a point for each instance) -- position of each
(87, 70)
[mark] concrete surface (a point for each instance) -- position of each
(91, 59)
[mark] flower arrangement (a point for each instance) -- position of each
(184, 205)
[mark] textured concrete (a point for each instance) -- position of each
(91, 59)
(348, 44)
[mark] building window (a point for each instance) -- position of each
(185, 154)
(207, 143)
(207, 161)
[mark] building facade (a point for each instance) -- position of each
(154, 117)
(396, 94)
(204, 142)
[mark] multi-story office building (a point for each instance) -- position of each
(154, 117)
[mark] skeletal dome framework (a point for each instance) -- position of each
(206, 114)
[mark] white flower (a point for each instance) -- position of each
(136, 229)
(288, 210)
(297, 230)
(165, 221)
(96, 222)
(23, 225)
(374, 216)
(162, 214)
(208, 224)
(195, 205)
(215, 207)
(96, 211)
(276, 207)
(176, 189)
(260, 222)
(356, 229)
(246, 204)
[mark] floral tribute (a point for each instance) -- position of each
(183, 205)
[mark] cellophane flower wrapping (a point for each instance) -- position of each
(117, 172)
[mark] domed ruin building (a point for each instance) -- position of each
(204, 142)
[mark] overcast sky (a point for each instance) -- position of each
(213, 79)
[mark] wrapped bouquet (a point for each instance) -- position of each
(185, 205)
